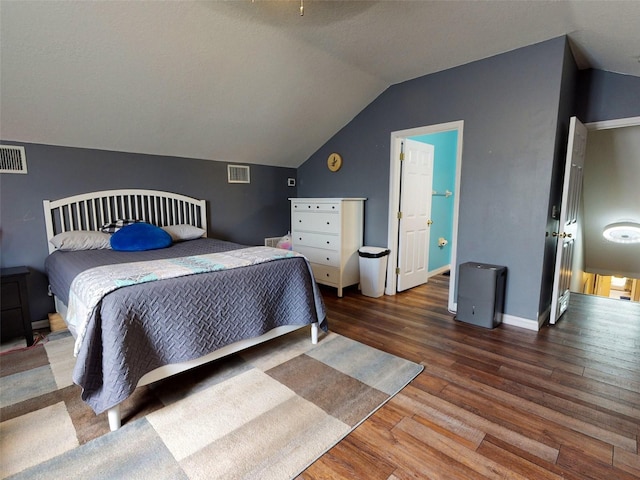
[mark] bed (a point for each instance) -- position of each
(140, 314)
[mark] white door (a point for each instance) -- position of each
(568, 225)
(415, 209)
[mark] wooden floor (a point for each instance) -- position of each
(503, 403)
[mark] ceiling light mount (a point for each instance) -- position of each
(622, 232)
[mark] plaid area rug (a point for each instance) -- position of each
(265, 413)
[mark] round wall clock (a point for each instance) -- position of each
(334, 162)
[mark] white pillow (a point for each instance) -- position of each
(184, 232)
(81, 240)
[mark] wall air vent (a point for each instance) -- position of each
(271, 241)
(238, 174)
(12, 159)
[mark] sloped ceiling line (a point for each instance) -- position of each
(256, 82)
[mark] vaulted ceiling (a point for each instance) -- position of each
(255, 82)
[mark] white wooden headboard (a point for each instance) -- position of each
(89, 211)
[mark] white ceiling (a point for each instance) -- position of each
(255, 82)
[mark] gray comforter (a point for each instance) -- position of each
(141, 327)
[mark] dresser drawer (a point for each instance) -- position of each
(326, 275)
(316, 221)
(15, 319)
(10, 295)
(11, 322)
(317, 240)
(319, 255)
(315, 207)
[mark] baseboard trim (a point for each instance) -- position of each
(544, 317)
(40, 324)
(512, 320)
(520, 322)
(438, 271)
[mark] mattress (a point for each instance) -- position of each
(141, 327)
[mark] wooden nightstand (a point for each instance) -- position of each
(14, 303)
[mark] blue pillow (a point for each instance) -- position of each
(140, 236)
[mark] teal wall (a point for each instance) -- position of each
(444, 178)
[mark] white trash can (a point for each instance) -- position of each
(373, 270)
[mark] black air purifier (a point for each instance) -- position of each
(481, 294)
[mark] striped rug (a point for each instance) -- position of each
(266, 413)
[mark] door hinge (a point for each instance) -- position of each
(401, 156)
(399, 215)
(397, 270)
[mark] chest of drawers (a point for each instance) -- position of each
(329, 232)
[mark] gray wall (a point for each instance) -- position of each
(516, 108)
(566, 109)
(510, 106)
(607, 96)
(237, 212)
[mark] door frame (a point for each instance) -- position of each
(394, 201)
(607, 125)
(594, 126)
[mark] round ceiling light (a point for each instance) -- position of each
(622, 232)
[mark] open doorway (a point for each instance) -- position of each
(612, 286)
(610, 194)
(395, 187)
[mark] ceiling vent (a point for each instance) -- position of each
(238, 174)
(12, 159)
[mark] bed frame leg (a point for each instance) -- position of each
(314, 333)
(114, 418)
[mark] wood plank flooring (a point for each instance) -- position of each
(503, 403)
